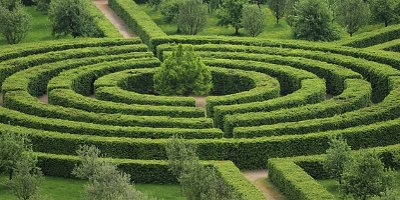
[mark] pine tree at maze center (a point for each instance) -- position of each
(183, 73)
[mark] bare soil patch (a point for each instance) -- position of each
(260, 179)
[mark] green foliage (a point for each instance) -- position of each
(230, 13)
(366, 176)
(253, 20)
(368, 39)
(192, 16)
(12, 149)
(278, 8)
(72, 17)
(352, 14)
(313, 21)
(170, 9)
(183, 74)
(290, 11)
(385, 10)
(14, 21)
(105, 181)
(27, 178)
(43, 5)
(337, 156)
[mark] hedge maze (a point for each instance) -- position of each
(269, 100)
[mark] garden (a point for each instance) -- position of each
(193, 99)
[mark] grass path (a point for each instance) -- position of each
(260, 179)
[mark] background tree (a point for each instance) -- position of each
(259, 2)
(312, 21)
(337, 156)
(333, 7)
(365, 176)
(14, 21)
(384, 10)
(183, 73)
(290, 11)
(72, 17)
(352, 15)
(106, 182)
(278, 8)
(197, 181)
(170, 9)
(230, 13)
(42, 5)
(253, 20)
(192, 16)
(12, 149)
(27, 179)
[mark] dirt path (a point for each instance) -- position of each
(44, 99)
(1, 99)
(259, 179)
(200, 101)
(114, 19)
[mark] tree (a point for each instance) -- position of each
(313, 21)
(365, 176)
(333, 7)
(106, 182)
(28, 178)
(352, 15)
(183, 73)
(337, 156)
(290, 11)
(259, 2)
(170, 9)
(384, 10)
(14, 21)
(197, 181)
(72, 17)
(42, 5)
(253, 20)
(230, 13)
(12, 149)
(278, 8)
(192, 16)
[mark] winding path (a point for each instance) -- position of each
(114, 18)
(259, 179)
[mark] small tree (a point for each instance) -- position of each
(384, 10)
(230, 13)
(170, 9)
(278, 8)
(42, 5)
(12, 149)
(14, 21)
(26, 182)
(197, 182)
(313, 21)
(365, 176)
(290, 11)
(72, 17)
(105, 181)
(333, 7)
(337, 156)
(352, 15)
(253, 20)
(192, 16)
(183, 73)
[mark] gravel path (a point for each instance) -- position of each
(1, 99)
(44, 99)
(114, 18)
(201, 101)
(259, 179)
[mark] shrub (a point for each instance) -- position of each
(336, 157)
(72, 17)
(43, 5)
(170, 9)
(253, 20)
(183, 74)
(313, 21)
(14, 21)
(192, 16)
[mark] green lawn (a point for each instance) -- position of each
(333, 186)
(72, 189)
(40, 28)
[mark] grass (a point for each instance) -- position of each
(40, 28)
(72, 189)
(332, 185)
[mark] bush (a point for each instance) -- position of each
(313, 21)
(253, 20)
(192, 16)
(183, 74)
(43, 5)
(72, 17)
(170, 9)
(337, 156)
(14, 22)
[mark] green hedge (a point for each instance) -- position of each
(393, 45)
(136, 19)
(356, 95)
(374, 37)
(386, 110)
(295, 176)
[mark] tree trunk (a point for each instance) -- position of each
(386, 23)
(10, 174)
(236, 31)
(351, 34)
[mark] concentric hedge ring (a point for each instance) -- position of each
(265, 121)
